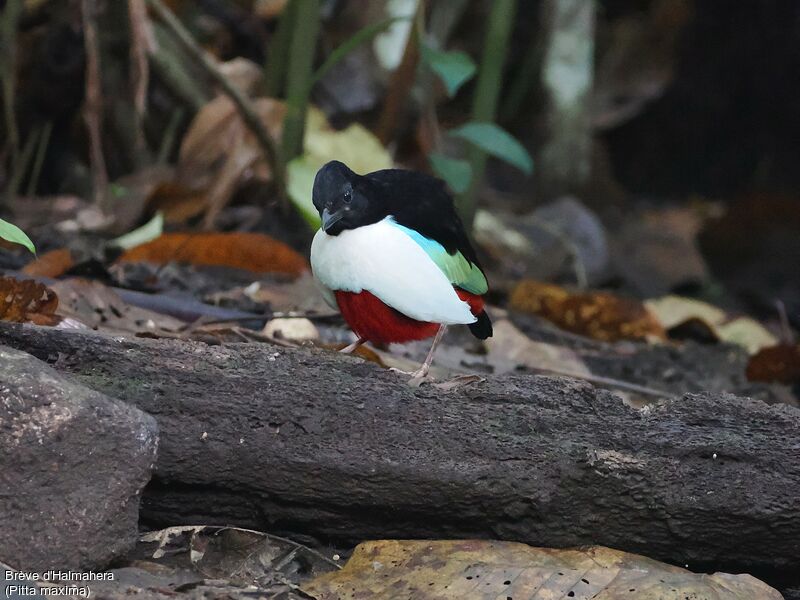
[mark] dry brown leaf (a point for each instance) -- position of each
(243, 74)
(50, 264)
(678, 313)
(177, 202)
(222, 562)
(301, 295)
(485, 570)
(509, 348)
(599, 315)
(254, 252)
(99, 307)
(218, 151)
(27, 301)
(779, 363)
(268, 9)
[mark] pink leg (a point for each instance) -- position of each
(349, 349)
(422, 372)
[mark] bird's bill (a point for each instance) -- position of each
(329, 219)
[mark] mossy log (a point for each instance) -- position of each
(311, 442)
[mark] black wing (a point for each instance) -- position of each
(423, 203)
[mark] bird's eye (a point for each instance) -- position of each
(347, 197)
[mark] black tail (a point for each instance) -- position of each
(482, 328)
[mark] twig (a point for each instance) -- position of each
(291, 314)
(93, 103)
(139, 65)
(242, 102)
(616, 383)
(140, 44)
(255, 336)
(787, 334)
(173, 67)
(286, 541)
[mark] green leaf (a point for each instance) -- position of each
(457, 173)
(359, 37)
(453, 68)
(12, 233)
(300, 173)
(146, 233)
(354, 145)
(496, 141)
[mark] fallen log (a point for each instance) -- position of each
(312, 442)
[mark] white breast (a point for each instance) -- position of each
(385, 261)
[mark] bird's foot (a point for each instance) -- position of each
(349, 349)
(417, 377)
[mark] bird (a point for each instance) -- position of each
(393, 257)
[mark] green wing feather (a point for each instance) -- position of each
(458, 270)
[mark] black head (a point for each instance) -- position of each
(344, 199)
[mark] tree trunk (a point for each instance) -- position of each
(565, 158)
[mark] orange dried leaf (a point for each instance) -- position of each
(50, 264)
(599, 315)
(27, 301)
(254, 252)
(777, 363)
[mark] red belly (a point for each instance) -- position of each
(379, 323)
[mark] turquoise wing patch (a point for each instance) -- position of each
(458, 270)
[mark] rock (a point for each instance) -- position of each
(72, 466)
(560, 240)
(580, 225)
(646, 246)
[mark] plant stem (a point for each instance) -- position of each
(8, 41)
(301, 62)
(170, 134)
(520, 86)
(275, 76)
(23, 162)
(484, 107)
(93, 105)
(362, 36)
(244, 106)
(38, 161)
